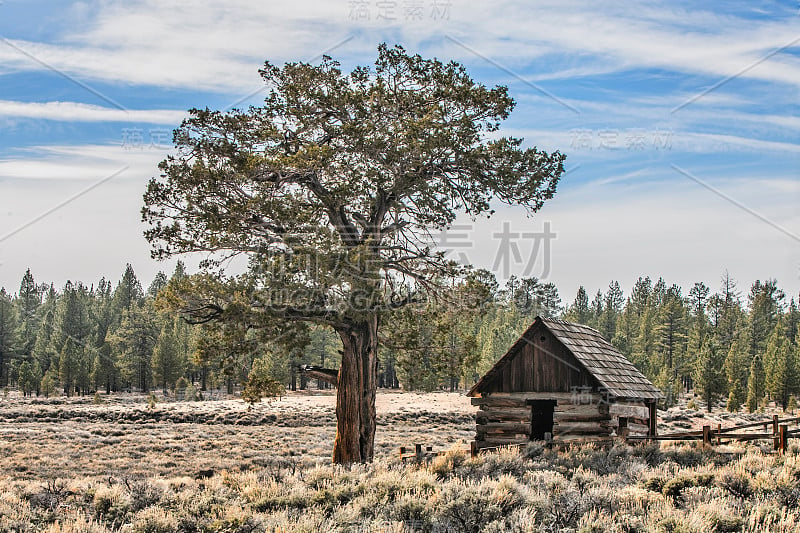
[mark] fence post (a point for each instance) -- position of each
(706, 435)
(774, 424)
(783, 437)
(719, 433)
(418, 451)
(402, 451)
(473, 448)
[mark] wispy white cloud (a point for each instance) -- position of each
(81, 162)
(171, 43)
(79, 112)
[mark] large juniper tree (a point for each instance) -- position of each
(332, 188)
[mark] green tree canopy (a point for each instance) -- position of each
(332, 189)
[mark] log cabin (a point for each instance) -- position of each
(562, 382)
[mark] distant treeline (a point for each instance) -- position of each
(112, 337)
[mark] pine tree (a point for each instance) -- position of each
(612, 307)
(737, 367)
(579, 310)
(43, 351)
(755, 384)
(627, 332)
(179, 272)
(8, 335)
(104, 364)
(699, 321)
(69, 366)
(709, 376)
(28, 301)
(792, 323)
(641, 298)
(597, 310)
(765, 300)
(128, 293)
(159, 282)
(549, 301)
(780, 366)
(453, 323)
(30, 377)
(727, 308)
(167, 364)
(671, 337)
(645, 345)
(134, 340)
(50, 383)
(72, 322)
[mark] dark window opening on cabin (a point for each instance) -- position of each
(541, 418)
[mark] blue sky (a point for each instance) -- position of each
(680, 124)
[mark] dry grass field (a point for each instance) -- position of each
(124, 436)
(71, 465)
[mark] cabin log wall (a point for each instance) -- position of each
(505, 418)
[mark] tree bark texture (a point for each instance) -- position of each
(355, 395)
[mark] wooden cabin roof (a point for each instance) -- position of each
(612, 370)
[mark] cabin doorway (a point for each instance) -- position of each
(541, 418)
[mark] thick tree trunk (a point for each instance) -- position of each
(355, 394)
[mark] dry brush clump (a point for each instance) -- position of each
(582, 488)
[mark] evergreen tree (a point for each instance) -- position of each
(709, 375)
(646, 342)
(30, 377)
(579, 311)
(755, 384)
(104, 364)
(627, 332)
(792, 323)
(641, 298)
(43, 351)
(128, 293)
(765, 300)
(737, 367)
(781, 366)
(671, 339)
(525, 295)
(699, 322)
(28, 301)
(8, 335)
(612, 307)
(50, 382)
(70, 366)
(159, 282)
(72, 322)
(167, 364)
(134, 340)
(261, 383)
(597, 309)
(549, 301)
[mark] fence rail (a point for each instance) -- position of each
(780, 433)
(780, 436)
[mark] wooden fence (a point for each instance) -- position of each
(776, 430)
(779, 434)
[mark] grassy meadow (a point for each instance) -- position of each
(73, 465)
